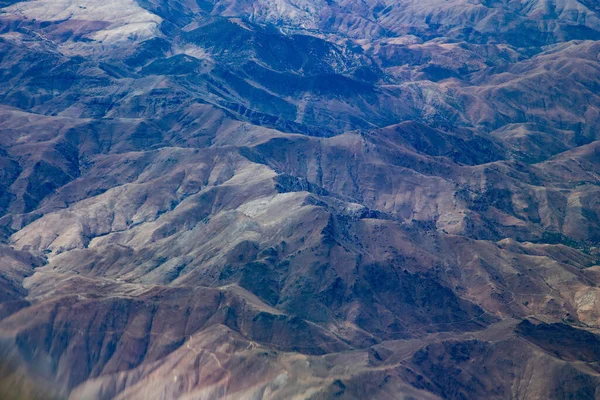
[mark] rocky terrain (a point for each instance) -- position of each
(294, 199)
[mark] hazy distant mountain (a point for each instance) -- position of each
(252, 199)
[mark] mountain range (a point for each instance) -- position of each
(300, 199)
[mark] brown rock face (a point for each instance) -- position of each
(299, 199)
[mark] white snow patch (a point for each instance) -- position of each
(125, 19)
